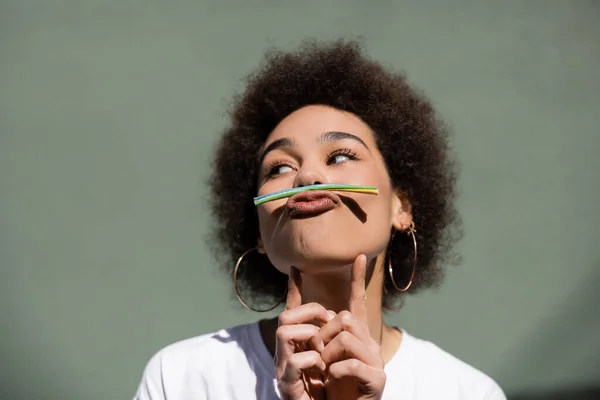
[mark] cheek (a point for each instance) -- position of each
(382, 202)
(379, 217)
(268, 216)
(372, 174)
(373, 236)
(263, 223)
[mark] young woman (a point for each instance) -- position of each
(325, 114)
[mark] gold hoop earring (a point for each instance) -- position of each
(411, 231)
(237, 292)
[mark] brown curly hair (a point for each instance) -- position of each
(413, 142)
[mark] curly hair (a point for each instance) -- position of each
(413, 141)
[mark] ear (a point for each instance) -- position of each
(259, 246)
(401, 211)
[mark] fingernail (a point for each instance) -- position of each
(323, 366)
(331, 314)
(319, 346)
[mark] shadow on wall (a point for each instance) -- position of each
(592, 393)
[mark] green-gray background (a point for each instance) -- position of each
(109, 113)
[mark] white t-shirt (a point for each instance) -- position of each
(234, 364)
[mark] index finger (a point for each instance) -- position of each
(358, 293)
(294, 298)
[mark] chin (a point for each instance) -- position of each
(324, 243)
(324, 253)
(322, 261)
(311, 263)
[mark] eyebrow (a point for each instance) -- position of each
(332, 136)
(279, 143)
(335, 136)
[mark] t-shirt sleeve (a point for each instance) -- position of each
(151, 385)
(495, 393)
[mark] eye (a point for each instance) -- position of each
(340, 156)
(277, 168)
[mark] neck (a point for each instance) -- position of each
(332, 291)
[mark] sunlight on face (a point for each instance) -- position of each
(320, 144)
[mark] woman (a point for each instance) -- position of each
(325, 114)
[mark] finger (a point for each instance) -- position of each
(346, 346)
(300, 362)
(314, 380)
(287, 338)
(294, 297)
(306, 313)
(295, 327)
(345, 321)
(292, 381)
(373, 377)
(358, 294)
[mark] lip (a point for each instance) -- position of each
(312, 203)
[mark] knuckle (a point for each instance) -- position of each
(345, 338)
(313, 357)
(334, 372)
(284, 318)
(283, 388)
(317, 308)
(282, 333)
(293, 361)
(354, 366)
(346, 318)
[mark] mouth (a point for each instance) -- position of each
(312, 203)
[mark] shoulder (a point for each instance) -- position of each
(205, 345)
(171, 369)
(435, 367)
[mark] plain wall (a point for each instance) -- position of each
(109, 114)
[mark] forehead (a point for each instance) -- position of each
(309, 122)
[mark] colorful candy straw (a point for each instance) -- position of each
(265, 198)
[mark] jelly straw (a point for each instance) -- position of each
(265, 198)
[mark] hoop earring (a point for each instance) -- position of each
(411, 231)
(237, 292)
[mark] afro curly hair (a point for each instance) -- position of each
(413, 142)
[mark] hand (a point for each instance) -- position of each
(298, 367)
(355, 369)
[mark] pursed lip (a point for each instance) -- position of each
(311, 203)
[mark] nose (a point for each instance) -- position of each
(308, 175)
